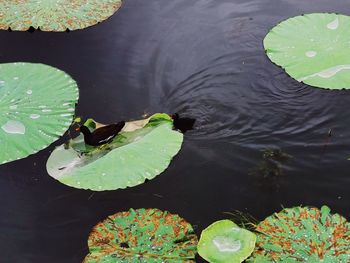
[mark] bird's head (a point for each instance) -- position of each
(175, 116)
(83, 129)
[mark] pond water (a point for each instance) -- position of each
(203, 59)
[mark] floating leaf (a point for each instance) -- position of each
(224, 242)
(142, 235)
(313, 49)
(142, 150)
(37, 104)
(55, 15)
(303, 234)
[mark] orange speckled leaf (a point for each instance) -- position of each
(148, 235)
(55, 15)
(303, 234)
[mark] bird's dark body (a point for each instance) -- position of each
(101, 135)
(182, 124)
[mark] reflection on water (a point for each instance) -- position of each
(203, 59)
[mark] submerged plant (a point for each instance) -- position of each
(36, 107)
(55, 15)
(142, 235)
(224, 242)
(271, 164)
(313, 49)
(303, 234)
(142, 150)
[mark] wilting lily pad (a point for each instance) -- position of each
(142, 150)
(313, 49)
(37, 104)
(225, 242)
(55, 15)
(142, 235)
(303, 234)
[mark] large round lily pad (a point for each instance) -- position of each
(135, 154)
(313, 49)
(225, 242)
(142, 235)
(303, 234)
(37, 104)
(55, 15)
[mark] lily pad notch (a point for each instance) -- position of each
(141, 151)
(313, 49)
(149, 235)
(55, 15)
(37, 107)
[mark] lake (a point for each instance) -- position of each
(203, 59)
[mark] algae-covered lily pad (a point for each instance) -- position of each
(55, 15)
(37, 104)
(313, 49)
(225, 242)
(142, 150)
(142, 235)
(303, 234)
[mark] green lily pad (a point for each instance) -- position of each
(225, 242)
(142, 235)
(303, 234)
(55, 15)
(37, 104)
(142, 150)
(313, 49)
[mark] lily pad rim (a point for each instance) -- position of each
(110, 217)
(283, 68)
(50, 144)
(215, 224)
(167, 122)
(302, 207)
(32, 29)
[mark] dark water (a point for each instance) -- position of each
(204, 59)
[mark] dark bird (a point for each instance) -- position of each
(182, 124)
(101, 135)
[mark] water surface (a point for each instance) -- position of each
(201, 58)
